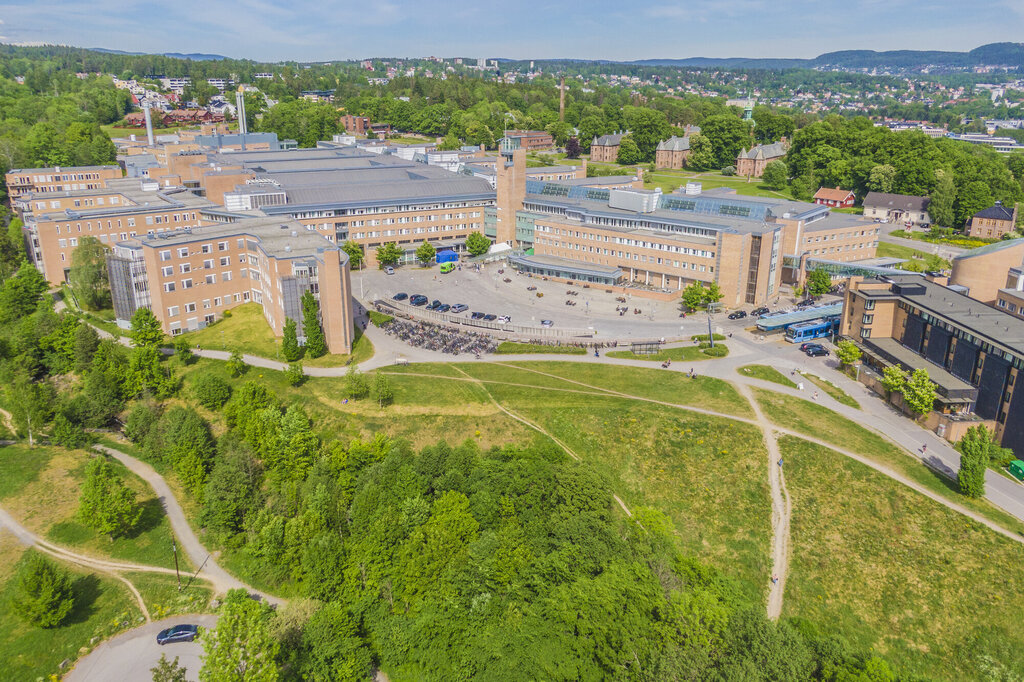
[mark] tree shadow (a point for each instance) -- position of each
(87, 589)
(152, 514)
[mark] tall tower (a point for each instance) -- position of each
(561, 101)
(511, 190)
(149, 123)
(240, 108)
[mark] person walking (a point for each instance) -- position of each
(780, 462)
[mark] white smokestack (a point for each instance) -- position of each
(149, 123)
(240, 108)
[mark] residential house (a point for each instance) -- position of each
(836, 198)
(895, 208)
(992, 222)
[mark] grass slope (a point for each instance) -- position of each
(40, 487)
(895, 571)
(765, 373)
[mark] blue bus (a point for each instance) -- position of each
(815, 329)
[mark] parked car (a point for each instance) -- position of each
(810, 344)
(807, 302)
(547, 323)
(444, 308)
(400, 296)
(178, 633)
(460, 308)
(434, 305)
(388, 270)
(505, 319)
(737, 315)
(758, 312)
(816, 352)
(477, 316)
(418, 299)
(490, 318)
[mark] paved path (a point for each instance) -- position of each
(221, 580)
(782, 510)
(130, 656)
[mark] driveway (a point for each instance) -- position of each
(130, 656)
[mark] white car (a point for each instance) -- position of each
(504, 319)
(388, 270)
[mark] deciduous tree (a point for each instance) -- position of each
(943, 198)
(240, 648)
(316, 344)
(477, 244)
(919, 392)
(894, 378)
(629, 152)
(847, 352)
(167, 670)
(425, 253)
(775, 175)
(974, 460)
(382, 392)
(819, 282)
(573, 148)
(354, 252)
(88, 275)
(290, 349)
(106, 503)
(388, 254)
(146, 329)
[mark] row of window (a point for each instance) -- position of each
(150, 220)
(683, 265)
(419, 230)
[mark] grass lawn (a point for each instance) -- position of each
(140, 133)
(160, 592)
(684, 353)
(837, 393)
(706, 474)
(512, 348)
(103, 607)
(896, 572)
(820, 422)
(766, 373)
(887, 250)
(960, 240)
(247, 331)
(655, 384)
(40, 488)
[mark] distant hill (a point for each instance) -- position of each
(994, 54)
(194, 56)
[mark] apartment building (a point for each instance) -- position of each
(188, 277)
(973, 352)
(22, 181)
(531, 140)
(993, 222)
(125, 208)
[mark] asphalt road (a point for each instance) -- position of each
(130, 656)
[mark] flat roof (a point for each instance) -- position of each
(142, 201)
(62, 169)
(278, 238)
(905, 356)
(576, 267)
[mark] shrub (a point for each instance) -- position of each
(211, 391)
(294, 374)
(718, 351)
(729, 170)
(379, 319)
(140, 420)
(44, 595)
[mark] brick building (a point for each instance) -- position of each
(672, 153)
(531, 140)
(22, 181)
(606, 148)
(751, 163)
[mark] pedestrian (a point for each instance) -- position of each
(815, 395)
(800, 386)
(780, 461)
(924, 449)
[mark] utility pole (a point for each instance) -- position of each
(174, 548)
(711, 337)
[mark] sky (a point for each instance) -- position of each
(622, 30)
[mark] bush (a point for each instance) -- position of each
(704, 337)
(140, 420)
(729, 170)
(44, 595)
(211, 391)
(718, 351)
(294, 374)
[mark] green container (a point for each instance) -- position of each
(1017, 469)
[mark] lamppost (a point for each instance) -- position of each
(174, 548)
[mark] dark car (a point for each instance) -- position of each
(490, 318)
(444, 308)
(418, 299)
(400, 296)
(546, 323)
(477, 316)
(807, 302)
(434, 305)
(758, 312)
(816, 352)
(810, 344)
(737, 315)
(178, 633)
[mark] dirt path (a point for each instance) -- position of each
(8, 420)
(107, 567)
(782, 510)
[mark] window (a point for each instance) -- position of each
(173, 311)
(222, 246)
(185, 267)
(206, 304)
(186, 284)
(865, 333)
(183, 252)
(169, 287)
(869, 305)
(211, 279)
(208, 264)
(867, 319)
(190, 307)
(225, 261)
(167, 270)
(207, 248)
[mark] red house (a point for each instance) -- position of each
(836, 198)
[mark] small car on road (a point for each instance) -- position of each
(737, 315)
(400, 296)
(816, 352)
(490, 317)
(178, 633)
(460, 308)
(388, 270)
(547, 323)
(418, 299)
(434, 305)
(444, 308)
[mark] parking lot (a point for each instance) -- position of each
(567, 306)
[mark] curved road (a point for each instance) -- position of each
(130, 656)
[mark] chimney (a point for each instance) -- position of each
(240, 110)
(561, 101)
(584, 168)
(149, 124)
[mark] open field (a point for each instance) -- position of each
(956, 240)
(898, 573)
(140, 133)
(40, 486)
(888, 250)
(822, 423)
(247, 331)
(103, 606)
(766, 373)
(512, 348)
